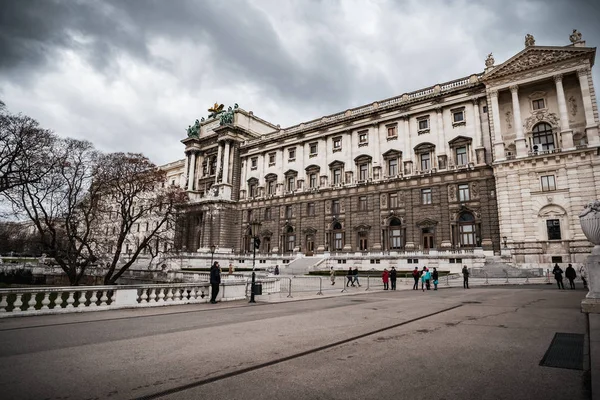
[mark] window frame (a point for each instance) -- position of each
(426, 196)
(464, 192)
(254, 162)
(272, 158)
(392, 171)
(425, 129)
(292, 154)
(464, 155)
(547, 187)
(363, 203)
(552, 231)
(311, 209)
(428, 160)
(312, 145)
(536, 101)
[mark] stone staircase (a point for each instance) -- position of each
(301, 266)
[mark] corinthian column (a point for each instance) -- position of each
(192, 171)
(591, 127)
(520, 140)
(226, 162)
(479, 149)
(565, 133)
(498, 142)
(219, 165)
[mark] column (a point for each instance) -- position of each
(186, 169)
(219, 165)
(479, 149)
(441, 142)
(520, 140)
(498, 142)
(565, 133)
(226, 162)
(191, 176)
(408, 153)
(591, 128)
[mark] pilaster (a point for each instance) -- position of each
(565, 132)
(520, 140)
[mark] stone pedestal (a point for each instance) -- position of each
(593, 274)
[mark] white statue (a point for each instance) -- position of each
(529, 40)
(575, 37)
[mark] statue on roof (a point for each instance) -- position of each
(575, 37)
(227, 117)
(194, 131)
(489, 61)
(215, 110)
(529, 40)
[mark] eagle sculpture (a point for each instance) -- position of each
(215, 110)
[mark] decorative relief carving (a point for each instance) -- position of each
(533, 59)
(383, 200)
(558, 78)
(494, 93)
(514, 88)
(451, 192)
(539, 116)
(572, 105)
(582, 72)
(509, 119)
(474, 189)
(401, 199)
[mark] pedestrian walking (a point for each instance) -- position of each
(215, 282)
(276, 272)
(332, 276)
(393, 276)
(425, 279)
(583, 274)
(465, 272)
(557, 271)
(435, 277)
(385, 277)
(355, 277)
(571, 275)
(416, 276)
(349, 277)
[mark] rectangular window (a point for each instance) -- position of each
(310, 209)
(458, 116)
(362, 241)
(553, 226)
(252, 190)
(363, 137)
(426, 196)
(338, 241)
(337, 176)
(363, 172)
(362, 203)
(423, 124)
(337, 143)
(288, 212)
(268, 214)
(313, 148)
(254, 162)
(548, 183)
(538, 104)
(391, 131)
(313, 180)
(393, 200)
(463, 193)
(272, 158)
(249, 215)
(393, 167)
(461, 156)
(290, 183)
(292, 154)
(484, 109)
(425, 162)
(335, 206)
(271, 187)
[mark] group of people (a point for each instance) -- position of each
(351, 277)
(426, 277)
(570, 274)
(389, 276)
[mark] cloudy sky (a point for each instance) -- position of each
(131, 75)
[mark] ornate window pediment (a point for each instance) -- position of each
(392, 154)
(312, 168)
(552, 210)
(424, 148)
(362, 228)
(336, 164)
(460, 141)
(252, 181)
(426, 223)
(363, 158)
(309, 231)
(542, 116)
(290, 172)
(270, 177)
(266, 233)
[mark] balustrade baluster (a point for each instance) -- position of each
(176, 294)
(18, 303)
(103, 298)
(152, 295)
(169, 295)
(3, 303)
(58, 301)
(93, 298)
(46, 301)
(193, 293)
(144, 296)
(31, 304)
(161, 295)
(70, 299)
(82, 300)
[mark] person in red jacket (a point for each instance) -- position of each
(386, 278)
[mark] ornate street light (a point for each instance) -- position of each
(254, 228)
(212, 253)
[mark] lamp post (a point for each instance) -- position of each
(212, 253)
(504, 239)
(254, 227)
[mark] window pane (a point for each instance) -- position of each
(461, 156)
(425, 162)
(553, 226)
(393, 167)
(463, 193)
(426, 196)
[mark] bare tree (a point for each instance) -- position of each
(134, 194)
(23, 150)
(61, 204)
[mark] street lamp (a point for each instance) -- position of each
(254, 227)
(504, 239)
(212, 253)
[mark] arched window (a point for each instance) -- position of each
(543, 137)
(338, 236)
(395, 232)
(466, 229)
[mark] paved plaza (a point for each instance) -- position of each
(482, 343)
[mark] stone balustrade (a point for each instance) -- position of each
(57, 300)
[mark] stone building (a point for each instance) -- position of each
(497, 161)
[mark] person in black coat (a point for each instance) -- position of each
(571, 275)
(435, 275)
(349, 277)
(557, 271)
(393, 276)
(215, 282)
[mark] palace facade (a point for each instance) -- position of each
(496, 162)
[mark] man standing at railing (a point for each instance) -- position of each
(215, 282)
(416, 276)
(465, 272)
(557, 271)
(393, 276)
